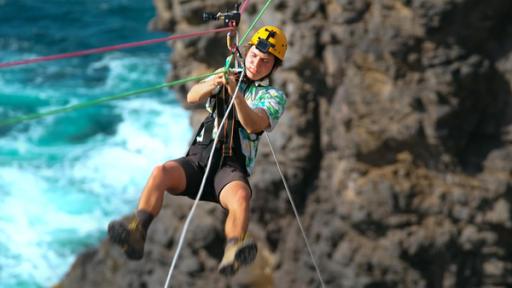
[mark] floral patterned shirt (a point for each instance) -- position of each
(263, 96)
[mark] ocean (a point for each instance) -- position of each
(64, 177)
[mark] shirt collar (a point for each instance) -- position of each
(263, 82)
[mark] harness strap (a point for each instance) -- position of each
(228, 131)
(229, 143)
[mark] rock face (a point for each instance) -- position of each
(396, 144)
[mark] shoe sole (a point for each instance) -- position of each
(243, 257)
(119, 234)
(229, 270)
(246, 254)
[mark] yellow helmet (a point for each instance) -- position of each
(270, 39)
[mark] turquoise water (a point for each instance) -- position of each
(62, 178)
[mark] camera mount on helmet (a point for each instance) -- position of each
(263, 44)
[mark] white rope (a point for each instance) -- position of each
(296, 214)
(189, 217)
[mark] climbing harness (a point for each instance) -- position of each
(229, 144)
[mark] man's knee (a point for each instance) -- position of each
(169, 176)
(170, 168)
(159, 172)
(236, 196)
(242, 196)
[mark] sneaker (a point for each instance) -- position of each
(237, 254)
(130, 237)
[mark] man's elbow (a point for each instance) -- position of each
(257, 129)
(191, 99)
(254, 131)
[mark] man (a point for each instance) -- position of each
(257, 108)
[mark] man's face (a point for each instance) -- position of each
(258, 64)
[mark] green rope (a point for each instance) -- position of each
(16, 120)
(254, 21)
(102, 100)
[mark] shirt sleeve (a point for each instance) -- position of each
(273, 102)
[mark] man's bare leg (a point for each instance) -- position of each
(235, 197)
(167, 177)
(131, 236)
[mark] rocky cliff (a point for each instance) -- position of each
(396, 144)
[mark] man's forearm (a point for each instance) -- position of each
(201, 91)
(254, 121)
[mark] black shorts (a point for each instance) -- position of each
(218, 177)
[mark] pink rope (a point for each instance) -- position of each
(244, 6)
(110, 48)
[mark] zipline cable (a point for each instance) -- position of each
(256, 19)
(102, 100)
(244, 6)
(119, 46)
(33, 116)
(296, 213)
(110, 48)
